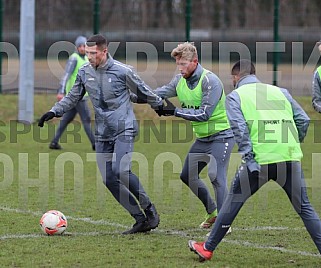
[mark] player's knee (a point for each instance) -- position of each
(184, 177)
(86, 120)
(212, 174)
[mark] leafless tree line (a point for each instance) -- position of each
(165, 14)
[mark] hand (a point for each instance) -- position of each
(135, 99)
(167, 110)
(141, 100)
(160, 110)
(60, 96)
(47, 116)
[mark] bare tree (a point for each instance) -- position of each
(143, 14)
(169, 12)
(156, 14)
(109, 8)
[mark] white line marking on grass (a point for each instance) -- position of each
(87, 220)
(269, 228)
(20, 211)
(26, 236)
(253, 245)
(179, 233)
(241, 243)
(253, 229)
(186, 233)
(104, 222)
(98, 222)
(20, 236)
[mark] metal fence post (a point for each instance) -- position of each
(96, 16)
(188, 19)
(1, 29)
(276, 39)
(26, 70)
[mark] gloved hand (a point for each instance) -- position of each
(47, 116)
(141, 100)
(160, 110)
(135, 99)
(167, 110)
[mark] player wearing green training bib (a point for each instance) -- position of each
(202, 100)
(75, 61)
(316, 86)
(268, 126)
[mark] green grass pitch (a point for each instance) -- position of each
(33, 179)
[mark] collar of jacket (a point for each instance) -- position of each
(248, 79)
(109, 62)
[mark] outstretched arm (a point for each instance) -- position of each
(143, 92)
(169, 90)
(68, 102)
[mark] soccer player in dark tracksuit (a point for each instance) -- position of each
(107, 83)
(268, 125)
(201, 95)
